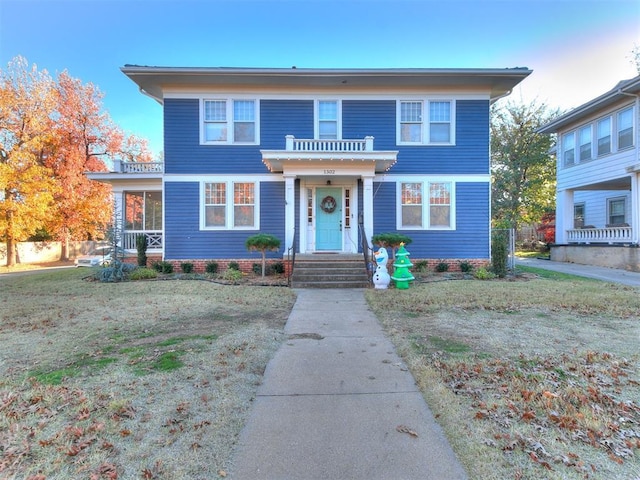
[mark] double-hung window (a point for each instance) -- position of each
(227, 205)
(585, 143)
(568, 149)
(229, 121)
(604, 136)
(425, 205)
(425, 122)
(328, 116)
(625, 128)
(616, 211)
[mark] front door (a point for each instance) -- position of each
(329, 218)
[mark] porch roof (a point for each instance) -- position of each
(284, 161)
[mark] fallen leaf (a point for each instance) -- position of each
(405, 429)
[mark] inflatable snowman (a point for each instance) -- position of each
(381, 277)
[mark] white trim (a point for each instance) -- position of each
(229, 205)
(473, 178)
(311, 94)
(425, 182)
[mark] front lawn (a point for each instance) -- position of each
(530, 377)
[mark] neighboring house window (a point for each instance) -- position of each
(142, 211)
(625, 128)
(616, 210)
(229, 121)
(585, 143)
(327, 120)
(578, 215)
(229, 205)
(425, 122)
(568, 149)
(604, 136)
(436, 213)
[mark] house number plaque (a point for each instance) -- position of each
(330, 172)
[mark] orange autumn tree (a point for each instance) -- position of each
(27, 187)
(79, 138)
(84, 138)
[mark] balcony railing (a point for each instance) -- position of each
(138, 167)
(154, 239)
(311, 145)
(600, 235)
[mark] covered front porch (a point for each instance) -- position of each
(328, 191)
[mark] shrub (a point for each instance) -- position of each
(442, 266)
(187, 267)
(278, 267)
(211, 267)
(421, 266)
(232, 275)
(391, 240)
(162, 267)
(256, 268)
(143, 273)
(466, 267)
(233, 266)
(499, 252)
(483, 274)
(141, 247)
(117, 271)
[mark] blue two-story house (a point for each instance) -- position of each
(320, 158)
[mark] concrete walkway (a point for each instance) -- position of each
(338, 403)
(605, 274)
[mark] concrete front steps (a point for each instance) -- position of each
(329, 271)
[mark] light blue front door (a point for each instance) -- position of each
(328, 218)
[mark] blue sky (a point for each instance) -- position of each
(577, 49)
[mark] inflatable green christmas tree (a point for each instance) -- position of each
(401, 274)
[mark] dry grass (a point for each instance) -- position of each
(131, 380)
(530, 379)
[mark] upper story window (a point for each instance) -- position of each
(604, 136)
(229, 121)
(327, 119)
(585, 143)
(568, 149)
(434, 213)
(227, 205)
(424, 122)
(625, 128)
(613, 133)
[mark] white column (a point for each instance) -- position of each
(289, 211)
(367, 207)
(564, 215)
(635, 208)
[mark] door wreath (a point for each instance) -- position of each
(328, 204)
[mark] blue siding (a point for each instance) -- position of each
(279, 118)
(470, 239)
(185, 240)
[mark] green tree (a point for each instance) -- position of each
(262, 242)
(522, 165)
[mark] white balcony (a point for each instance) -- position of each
(138, 167)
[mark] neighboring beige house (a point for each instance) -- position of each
(598, 180)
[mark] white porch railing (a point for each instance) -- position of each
(139, 167)
(311, 145)
(600, 235)
(154, 239)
